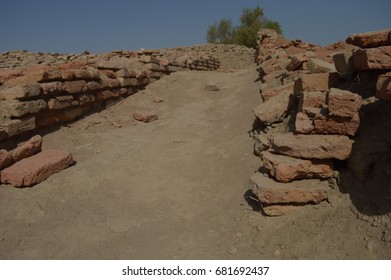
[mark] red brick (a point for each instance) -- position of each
(312, 146)
(371, 59)
(27, 149)
(269, 191)
(35, 169)
(286, 169)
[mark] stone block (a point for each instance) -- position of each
(21, 91)
(371, 39)
(17, 126)
(276, 108)
(321, 123)
(17, 109)
(316, 65)
(372, 59)
(316, 82)
(286, 169)
(312, 99)
(269, 93)
(73, 87)
(27, 149)
(35, 169)
(343, 103)
(312, 146)
(269, 191)
(61, 102)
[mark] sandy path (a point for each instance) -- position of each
(167, 189)
(171, 189)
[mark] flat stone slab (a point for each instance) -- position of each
(286, 169)
(370, 39)
(372, 59)
(269, 191)
(343, 103)
(312, 146)
(275, 108)
(35, 169)
(316, 82)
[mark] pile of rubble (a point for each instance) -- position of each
(306, 122)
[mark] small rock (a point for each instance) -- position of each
(211, 87)
(277, 252)
(157, 99)
(145, 116)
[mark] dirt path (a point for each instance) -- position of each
(171, 189)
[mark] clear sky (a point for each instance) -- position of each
(72, 26)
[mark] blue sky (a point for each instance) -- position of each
(74, 26)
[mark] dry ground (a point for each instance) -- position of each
(174, 188)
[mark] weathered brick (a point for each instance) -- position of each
(371, 39)
(312, 146)
(343, 103)
(269, 191)
(75, 86)
(21, 91)
(27, 149)
(62, 102)
(35, 169)
(321, 123)
(316, 82)
(275, 108)
(372, 59)
(287, 169)
(14, 108)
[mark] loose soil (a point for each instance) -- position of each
(176, 188)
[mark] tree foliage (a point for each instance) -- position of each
(251, 20)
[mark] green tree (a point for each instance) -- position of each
(221, 32)
(245, 34)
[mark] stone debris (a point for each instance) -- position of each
(312, 146)
(145, 116)
(286, 169)
(276, 108)
(303, 134)
(212, 87)
(35, 169)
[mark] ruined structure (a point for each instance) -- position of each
(311, 114)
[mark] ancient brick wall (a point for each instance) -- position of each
(41, 95)
(311, 113)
